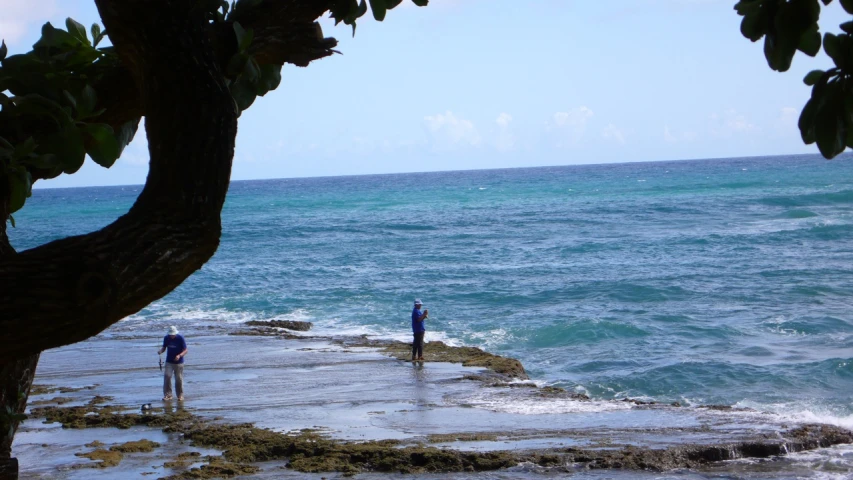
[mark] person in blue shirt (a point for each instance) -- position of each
(418, 329)
(176, 348)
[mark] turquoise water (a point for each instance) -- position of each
(703, 282)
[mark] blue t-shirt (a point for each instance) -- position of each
(173, 347)
(417, 325)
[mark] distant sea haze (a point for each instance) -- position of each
(700, 282)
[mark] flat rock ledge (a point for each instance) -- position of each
(245, 447)
(275, 328)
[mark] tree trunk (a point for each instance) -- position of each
(16, 379)
(16, 376)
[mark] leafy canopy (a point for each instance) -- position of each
(51, 108)
(788, 26)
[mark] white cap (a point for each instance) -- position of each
(173, 330)
(418, 301)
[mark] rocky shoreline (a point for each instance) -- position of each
(245, 448)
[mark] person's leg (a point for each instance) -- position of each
(167, 382)
(179, 380)
(418, 346)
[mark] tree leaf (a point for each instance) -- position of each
(236, 64)
(3, 49)
(831, 45)
(53, 38)
(38, 105)
(420, 3)
(67, 144)
(86, 101)
(744, 7)
(848, 6)
(96, 31)
(270, 78)
(806, 122)
(25, 148)
(126, 133)
(830, 127)
(77, 30)
(810, 42)
(252, 71)
(67, 95)
(244, 37)
(378, 8)
(20, 187)
(753, 26)
(101, 144)
(812, 77)
(48, 161)
(243, 92)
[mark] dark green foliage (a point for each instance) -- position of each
(348, 11)
(49, 106)
(791, 25)
(246, 78)
(49, 97)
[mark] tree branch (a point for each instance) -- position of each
(71, 289)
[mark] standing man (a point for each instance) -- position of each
(418, 329)
(176, 348)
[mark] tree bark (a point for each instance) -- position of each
(16, 379)
(16, 375)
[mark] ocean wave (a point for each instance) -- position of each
(583, 332)
(818, 198)
(803, 412)
(525, 405)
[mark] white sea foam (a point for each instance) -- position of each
(801, 413)
(540, 406)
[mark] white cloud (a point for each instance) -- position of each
(672, 137)
(731, 123)
(786, 122)
(20, 15)
(570, 126)
(505, 139)
(449, 131)
(503, 119)
(611, 132)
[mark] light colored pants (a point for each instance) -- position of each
(176, 369)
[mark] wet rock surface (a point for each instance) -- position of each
(344, 406)
(309, 451)
(508, 368)
(288, 324)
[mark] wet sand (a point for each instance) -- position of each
(351, 390)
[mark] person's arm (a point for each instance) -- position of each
(163, 348)
(183, 352)
(423, 316)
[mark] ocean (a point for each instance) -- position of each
(703, 282)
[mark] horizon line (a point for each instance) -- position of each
(816, 154)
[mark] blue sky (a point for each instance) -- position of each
(471, 84)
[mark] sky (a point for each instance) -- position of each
(474, 84)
